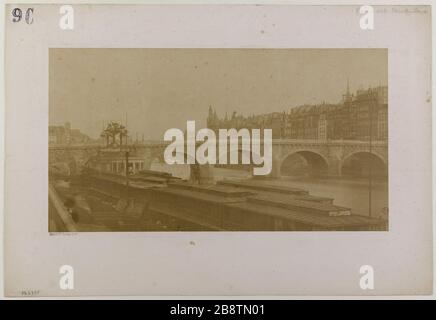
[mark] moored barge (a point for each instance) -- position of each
(157, 201)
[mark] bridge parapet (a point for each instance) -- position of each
(333, 152)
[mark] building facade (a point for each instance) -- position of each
(358, 116)
(64, 135)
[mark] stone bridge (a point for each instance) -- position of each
(328, 155)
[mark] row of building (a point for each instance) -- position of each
(358, 116)
(65, 135)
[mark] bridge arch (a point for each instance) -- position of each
(303, 162)
(157, 163)
(193, 172)
(360, 163)
(225, 158)
(241, 170)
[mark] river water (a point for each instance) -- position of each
(351, 193)
(347, 192)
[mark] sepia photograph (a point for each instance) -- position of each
(218, 140)
(233, 151)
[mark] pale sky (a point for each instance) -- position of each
(161, 89)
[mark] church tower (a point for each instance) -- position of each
(347, 97)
